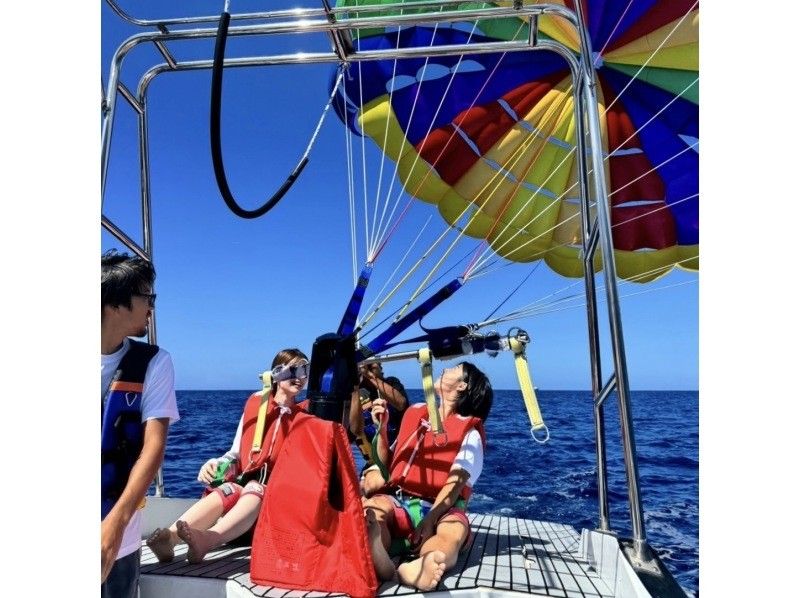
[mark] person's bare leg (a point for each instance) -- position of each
(202, 515)
(384, 566)
(232, 525)
(438, 554)
(379, 513)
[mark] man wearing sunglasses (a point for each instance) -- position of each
(137, 393)
(374, 385)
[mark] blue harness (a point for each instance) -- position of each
(122, 432)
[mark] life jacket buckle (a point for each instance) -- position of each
(437, 442)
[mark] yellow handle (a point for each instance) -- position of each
(526, 386)
(266, 380)
(425, 361)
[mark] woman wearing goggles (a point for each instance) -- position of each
(232, 500)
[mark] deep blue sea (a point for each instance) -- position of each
(555, 481)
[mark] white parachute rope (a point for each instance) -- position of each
(394, 273)
(385, 227)
(484, 257)
(430, 127)
(652, 55)
(538, 307)
(601, 299)
(373, 240)
(447, 228)
(363, 161)
(610, 35)
(554, 112)
(408, 275)
(410, 119)
(351, 199)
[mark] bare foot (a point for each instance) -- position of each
(160, 542)
(423, 573)
(384, 566)
(196, 540)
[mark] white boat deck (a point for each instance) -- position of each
(506, 555)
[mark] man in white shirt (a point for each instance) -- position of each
(127, 302)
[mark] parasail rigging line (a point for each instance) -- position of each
(399, 264)
(551, 113)
(447, 229)
(364, 165)
(410, 119)
(444, 148)
(512, 293)
(375, 227)
(538, 307)
(498, 176)
(394, 313)
(378, 228)
(454, 70)
(652, 55)
(600, 300)
(351, 200)
(610, 35)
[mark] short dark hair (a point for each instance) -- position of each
(476, 399)
(122, 276)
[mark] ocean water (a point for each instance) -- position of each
(555, 481)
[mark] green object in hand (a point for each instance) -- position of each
(226, 472)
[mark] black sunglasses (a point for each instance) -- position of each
(151, 298)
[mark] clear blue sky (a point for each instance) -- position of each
(231, 291)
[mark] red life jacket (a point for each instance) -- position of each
(429, 464)
(311, 533)
(253, 461)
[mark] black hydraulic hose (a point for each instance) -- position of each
(216, 144)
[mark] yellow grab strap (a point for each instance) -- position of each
(266, 379)
(424, 357)
(528, 394)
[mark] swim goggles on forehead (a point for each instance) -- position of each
(290, 372)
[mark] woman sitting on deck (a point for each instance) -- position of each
(422, 508)
(230, 509)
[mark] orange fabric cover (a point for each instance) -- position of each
(311, 533)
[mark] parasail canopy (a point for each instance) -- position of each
(490, 139)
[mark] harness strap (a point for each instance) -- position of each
(266, 379)
(424, 357)
(424, 426)
(528, 394)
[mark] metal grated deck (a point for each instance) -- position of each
(506, 554)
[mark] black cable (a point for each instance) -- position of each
(216, 144)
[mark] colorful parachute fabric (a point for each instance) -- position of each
(490, 139)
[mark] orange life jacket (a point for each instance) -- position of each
(311, 533)
(419, 467)
(251, 461)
